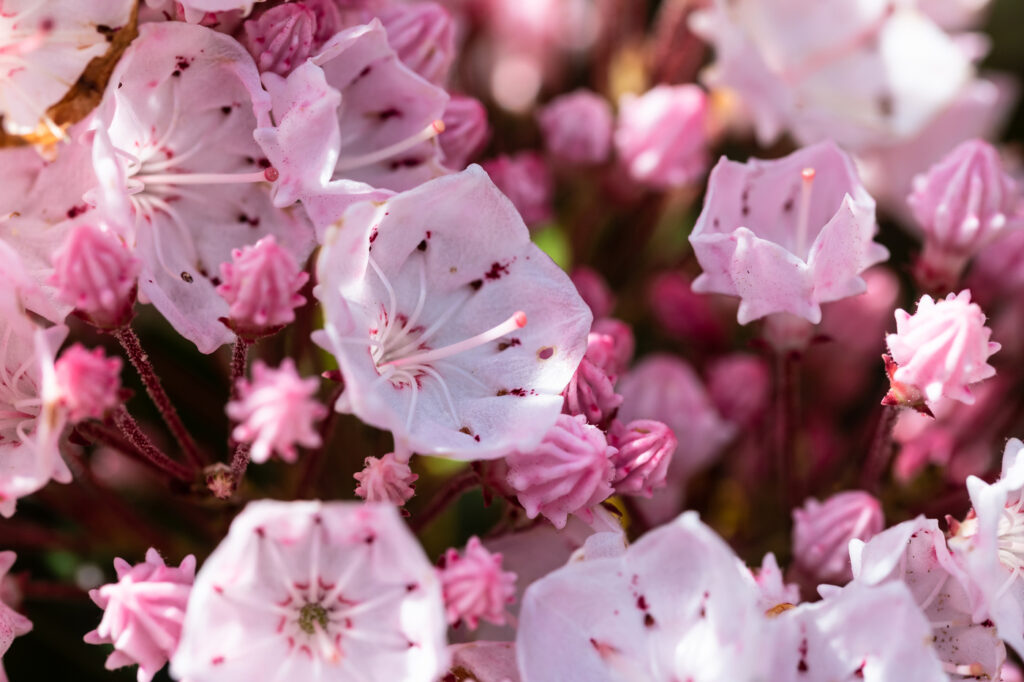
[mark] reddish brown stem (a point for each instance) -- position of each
(239, 362)
(133, 348)
(150, 453)
(881, 449)
(239, 463)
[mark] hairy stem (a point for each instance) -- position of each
(144, 447)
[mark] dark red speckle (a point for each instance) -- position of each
(497, 271)
(76, 211)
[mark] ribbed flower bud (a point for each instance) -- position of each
(423, 36)
(87, 382)
(645, 449)
(822, 532)
(261, 286)
(95, 272)
(475, 588)
(591, 391)
(568, 473)
(594, 290)
(281, 38)
(526, 180)
(740, 387)
(466, 131)
(577, 127)
(385, 479)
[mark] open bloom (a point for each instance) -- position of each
(941, 350)
(451, 329)
(786, 235)
(315, 591)
(143, 612)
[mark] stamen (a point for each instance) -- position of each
(807, 177)
(431, 131)
(517, 321)
(268, 175)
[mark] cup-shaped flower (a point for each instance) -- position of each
(465, 133)
(961, 204)
(12, 623)
(87, 382)
(385, 479)
(577, 127)
(96, 273)
(568, 473)
(644, 451)
(822, 532)
(475, 588)
(786, 235)
(143, 612)
(526, 180)
(276, 412)
(261, 286)
(661, 136)
(451, 329)
(940, 350)
(315, 591)
(988, 546)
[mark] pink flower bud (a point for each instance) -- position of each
(261, 286)
(591, 391)
(661, 137)
(525, 179)
(568, 473)
(683, 313)
(962, 203)
(594, 290)
(423, 36)
(941, 349)
(385, 480)
(577, 127)
(95, 272)
(465, 131)
(822, 532)
(645, 449)
(622, 343)
(474, 585)
(740, 387)
(87, 382)
(143, 612)
(276, 412)
(281, 38)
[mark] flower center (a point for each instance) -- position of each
(311, 614)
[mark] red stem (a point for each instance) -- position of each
(143, 446)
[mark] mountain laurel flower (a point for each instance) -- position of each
(577, 127)
(423, 36)
(276, 411)
(96, 273)
(12, 623)
(822, 532)
(475, 588)
(644, 451)
(465, 133)
(661, 136)
(786, 235)
(143, 612)
(526, 180)
(962, 203)
(940, 350)
(315, 591)
(591, 391)
(385, 479)
(88, 382)
(261, 286)
(568, 473)
(281, 38)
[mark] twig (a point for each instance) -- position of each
(239, 361)
(143, 446)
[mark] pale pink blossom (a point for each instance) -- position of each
(196, 11)
(661, 136)
(451, 329)
(786, 235)
(772, 588)
(261, 286)
(577, 127)
(942, 349)
(282, 37)
(12, 623)
(422, 34)
(594, 290)
(526, 180)
(961, 204)
(915, 553)
(143, 612)
(644, 451)
(466, 131)
(822, 532)
(88, 383)
(315, 591)
(861, 73)
(475, 586)
(45, 47)
(385, 479)
(196, 191)
(276, 412)
(740, 386)
(568, 473)
(96, 273)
